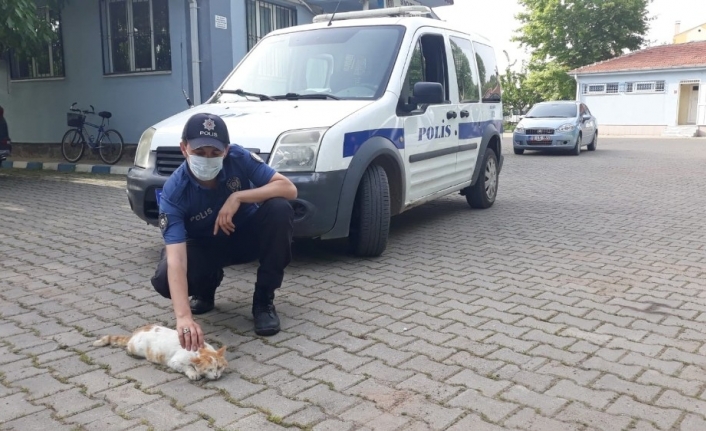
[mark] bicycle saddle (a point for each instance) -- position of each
(105, 114)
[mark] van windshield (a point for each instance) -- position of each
(326, 63)
(547, 110)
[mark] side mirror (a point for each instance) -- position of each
(429, 93)
(585, 118)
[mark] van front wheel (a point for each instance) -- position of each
(370, 221)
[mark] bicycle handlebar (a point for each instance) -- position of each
(85, 111)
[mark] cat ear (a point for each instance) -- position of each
(221, 351)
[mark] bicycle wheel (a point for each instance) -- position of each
(72, 145)
(110, 146)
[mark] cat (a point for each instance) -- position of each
(160, 345)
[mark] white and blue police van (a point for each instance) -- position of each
(369, 113)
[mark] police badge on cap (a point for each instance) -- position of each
(206, 130)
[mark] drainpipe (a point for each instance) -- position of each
(578, 89)
(195, 70)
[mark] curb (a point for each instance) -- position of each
(67, 167)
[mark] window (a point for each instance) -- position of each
(347, 62)
(659, 86)
(49, 63)
(488, 73)
(464, 61)
(263, 17)
(428, 64)
(135, 36)
(628, 87)
(612, 88)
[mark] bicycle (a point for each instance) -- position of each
(108, 143)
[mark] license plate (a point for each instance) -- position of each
(540, 138)
(158, 193)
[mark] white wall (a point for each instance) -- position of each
(635, 109)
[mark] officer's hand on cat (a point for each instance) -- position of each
(224, 221)
(193, 338)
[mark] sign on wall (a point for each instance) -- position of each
(221, 22)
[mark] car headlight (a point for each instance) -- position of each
(142, 154)
(520, 129)
(568, 127)
(297, 150)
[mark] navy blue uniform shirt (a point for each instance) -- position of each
(188, 210)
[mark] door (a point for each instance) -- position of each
(469, 108)
(430, 139)
(589, 126)
(693, 105)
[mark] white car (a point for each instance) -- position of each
(369, 114)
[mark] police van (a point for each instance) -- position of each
(369, 113)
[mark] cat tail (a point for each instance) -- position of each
(113, 340)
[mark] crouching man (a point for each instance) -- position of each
(211, 217)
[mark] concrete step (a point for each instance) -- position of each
(681, 131)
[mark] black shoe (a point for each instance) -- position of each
(201, 304)
(264, 314)
(266, 320)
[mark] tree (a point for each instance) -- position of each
(575, 33)
(23, 29)
(517, 95)
(550, 81)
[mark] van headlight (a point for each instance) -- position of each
(568, 127)
(297, 150)
(142, 154)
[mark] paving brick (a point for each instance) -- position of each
(256, 421)
(582, 377)
(673, 399)
(346, 341)
(126, 398)
(480, 365)
(577, 413)
(644, 393)
(430, 388)
(666, 367)
(472, 380)
(39, 421)
(306, 417)
(693, 423)
(343, 359)
(333, 425)
(436, 416)
(511, 342)
(378, 370)
(269, 400)
(527, 419)
(222, 412)
(296, 363)
(386, 354)
(330, 401)
(547, 405)
(664, 418)
(41, 385)
(557, 354)
(493, 409)
(15, 406)
(688, 387)
(96, 381)
(162, 416)
(625, 371)
(594, 398)
(475, 423)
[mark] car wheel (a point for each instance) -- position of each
(482, 194)
(577, 148)
(594, 143)
(519, 151)
(370, 221)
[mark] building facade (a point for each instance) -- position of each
(695, 34)
(655, 91)
(140, 75)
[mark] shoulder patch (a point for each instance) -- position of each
(256, 157)
(163, 221)
(233, 184)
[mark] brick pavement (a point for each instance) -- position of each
(576, 303)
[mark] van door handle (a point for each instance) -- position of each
(450, 115)
(464, 114)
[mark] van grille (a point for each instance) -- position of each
(170, 158)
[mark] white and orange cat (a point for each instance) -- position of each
(160, 345)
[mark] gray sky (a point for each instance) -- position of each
(496, 21)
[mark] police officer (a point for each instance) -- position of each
(222, 206)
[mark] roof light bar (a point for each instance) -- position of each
(401, 11)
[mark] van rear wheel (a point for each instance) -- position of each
(482, 194)
(370, 221)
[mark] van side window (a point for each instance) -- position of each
(488, 73)
(465, 63)
(428, 64)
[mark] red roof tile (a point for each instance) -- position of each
(692, 54)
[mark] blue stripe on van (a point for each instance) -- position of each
(475, 129)
(352, 141)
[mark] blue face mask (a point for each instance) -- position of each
(205, 168)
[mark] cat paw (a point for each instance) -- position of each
(192, 375)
